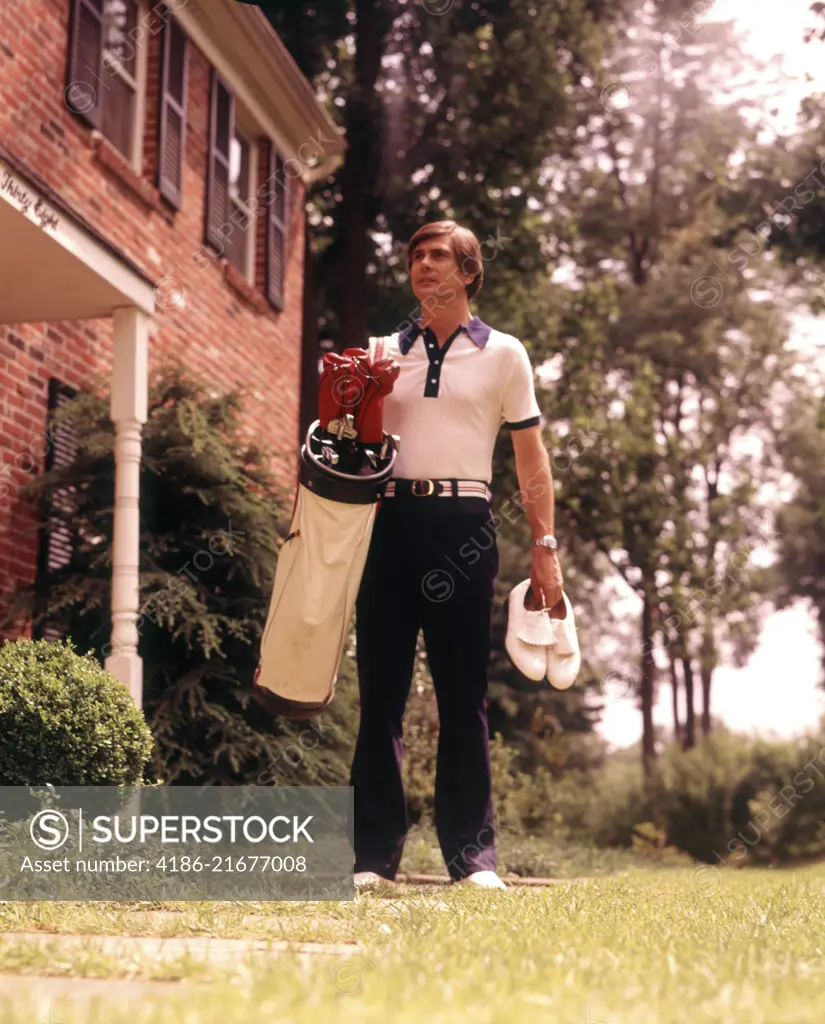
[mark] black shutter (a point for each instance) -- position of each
(172, 115)
(276, 231)
(56, 540)
(221, 130)
(84, 79)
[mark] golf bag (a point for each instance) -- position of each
(345, 463)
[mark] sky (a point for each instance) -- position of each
(776, 693)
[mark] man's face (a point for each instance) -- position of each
(434, 273)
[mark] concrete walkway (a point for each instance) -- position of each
(42, 993)
(215, 952)
(509, 880)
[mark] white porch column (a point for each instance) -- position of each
(130, 384)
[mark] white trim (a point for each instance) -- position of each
(240, 127)
(27, 200)
(137, 83)
(293, 89)
(139, 121)
(189, 22)
(128, 410)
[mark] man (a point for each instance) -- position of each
(433, 558)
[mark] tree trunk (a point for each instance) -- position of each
(708, 659)
(647, 687)
(309, 344)
(690, 719)
(363, 131)
(707, 675)
(707, 666)
(674, 682)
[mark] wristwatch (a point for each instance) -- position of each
(547, 541)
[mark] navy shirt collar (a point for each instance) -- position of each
(477, 330)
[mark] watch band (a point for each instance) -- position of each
(547, 541)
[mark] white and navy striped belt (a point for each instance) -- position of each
(438, 488)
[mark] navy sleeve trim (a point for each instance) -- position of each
(534, 421)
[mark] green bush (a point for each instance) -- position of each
(212, 519)
(604, 805)
(700, 796)
(744, 799)
(787, 811)
(747, 800)
(65, 721)
(517, 798)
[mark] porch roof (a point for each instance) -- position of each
(53, 264)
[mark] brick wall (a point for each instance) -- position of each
(226, 333)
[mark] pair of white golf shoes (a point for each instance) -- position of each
(541, 647)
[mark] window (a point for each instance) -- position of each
(172, 117)
(235, 204)
(230, 184)
(240, 191)
(56, 543)
(105, 70)
(119, 73)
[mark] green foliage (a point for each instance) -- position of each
(732, 797)
(320, 751)
(744, 800)
(212, 520)
(749, 801)
(700, 796)
(448, 115)
(524, 769)
(533, 856)
(65, 721)
(671, 379)
(800, 522)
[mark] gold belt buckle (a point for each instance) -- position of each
(422, 494)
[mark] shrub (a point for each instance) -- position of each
(787, 811)
(65, 721)
(700, 796)
(747, 800)
(520, 800)
(212, 520)
(605, 805)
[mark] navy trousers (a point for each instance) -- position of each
(431, 565)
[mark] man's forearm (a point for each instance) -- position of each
(535, 482)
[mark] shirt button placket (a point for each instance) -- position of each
(431, 389)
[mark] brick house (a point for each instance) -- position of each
(153, 166)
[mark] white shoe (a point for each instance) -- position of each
(483, 879)
(564, 658)
(528, 634)
(370, 880)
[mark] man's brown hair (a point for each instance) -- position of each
(465, 245)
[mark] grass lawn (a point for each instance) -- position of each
(648, 945)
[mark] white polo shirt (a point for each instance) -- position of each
(449, 403)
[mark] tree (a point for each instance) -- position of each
(464, 110)
(782, 209)
(212, 521)
(449, 115)
(686, 364)
(800, 524)
(818, 31)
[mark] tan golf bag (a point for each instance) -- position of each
(320, 565)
